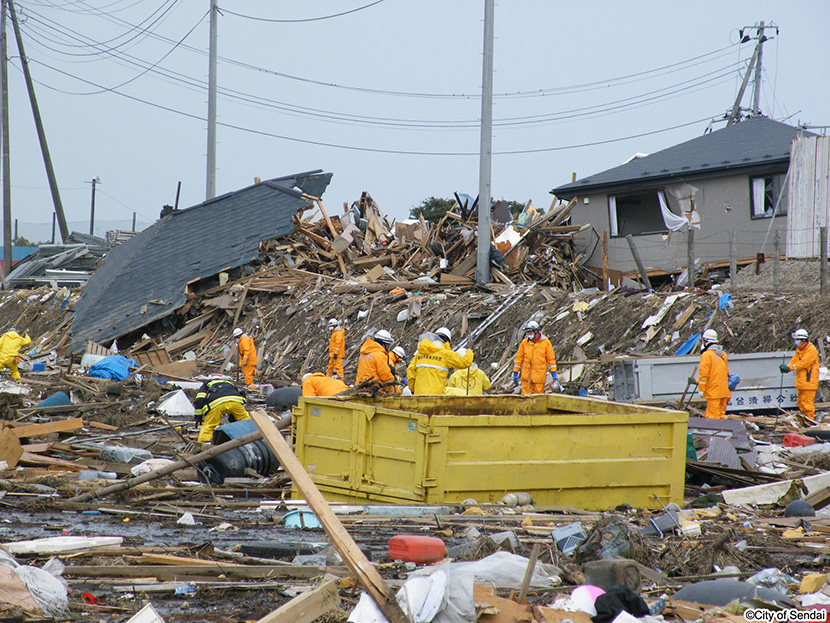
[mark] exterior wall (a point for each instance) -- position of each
(810, 195)
(723, 204)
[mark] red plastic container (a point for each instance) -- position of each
(794, 440)
(416, 548)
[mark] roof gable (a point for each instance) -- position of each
(145, 278)
(752, 143)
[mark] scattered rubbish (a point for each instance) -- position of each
(568, 538)
(301, 519)
(416, 548)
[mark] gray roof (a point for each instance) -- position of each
(198, 242)
(755, 143)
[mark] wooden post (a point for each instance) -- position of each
(604, 238)
(733, 262)
(333, 231)
(690, 259)
(531, 565)
(823, 255)
(342, 541)
(776, 263)
(638, 261)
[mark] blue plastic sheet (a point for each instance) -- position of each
(688, 345)
(114, 367)
(725, 301)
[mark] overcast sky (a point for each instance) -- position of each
(384, 97)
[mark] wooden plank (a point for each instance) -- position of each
(241, 303)
(10, 449)
(60, 426)
(185, 369)
(306, 607)
(684, 317)
(209, 569)
(449, 278)
(187, 342)
(355, 559)
(168, 559)
(31, 458)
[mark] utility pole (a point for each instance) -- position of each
(44, 147)
(755, 63)
(756, 100)
(486, 149)
(7, 182)
(210, 191)
(94, 181)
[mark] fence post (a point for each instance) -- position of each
(604, 286)
(823, 256)
(690, 259)
(733, 262)
(638, 261)
(776, 263)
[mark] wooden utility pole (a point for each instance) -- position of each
(733, 262)
(94, 182)
(7, 181)
(604, 239)
(41, 133)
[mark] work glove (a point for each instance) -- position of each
(199, 419)
(554, 377)
(784, 368)
(515, 378)
(334, 357)
(692, 380)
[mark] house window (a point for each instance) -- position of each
(764, 193)
(636, 213)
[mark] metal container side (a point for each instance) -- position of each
(563, 450)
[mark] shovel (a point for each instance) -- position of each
(680, 404)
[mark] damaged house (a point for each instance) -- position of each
(732, 178)
(149, 276)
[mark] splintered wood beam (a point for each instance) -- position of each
(342, 541)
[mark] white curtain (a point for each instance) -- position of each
(672, 221)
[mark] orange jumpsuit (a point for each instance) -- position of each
(373, 363)
(533, 360)
(337, 350)
(247, 357)
(714, 381)
(318, 384)
(805, 364)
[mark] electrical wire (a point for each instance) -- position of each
(295, 21)
(470, 124)
(535, 93)
(371, 149)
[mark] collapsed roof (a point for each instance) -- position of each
(145, 278)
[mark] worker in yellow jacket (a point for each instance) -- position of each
(10, 344)
(247, 356)
(471, 382)
(213, 400)
(805, 364)
(533, 360)
(337, 349)
(713, 380)
(318, 384)
(373, 362)
(428, 370)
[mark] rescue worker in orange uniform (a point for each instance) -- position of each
(805, 364)
(247, 356)
(318, 384)
(374, 358)
(337, 349)
(428, 370)
(533, 360)
(397, 356)
(713, 380)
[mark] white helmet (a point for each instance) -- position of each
(710, 336)
(306, 375)
(334, 323)
(801, 334)
(400, 352)
(531, 326)
(237, 332)
(444, 333)
(383, 337)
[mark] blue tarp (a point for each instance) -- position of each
(114, 367)
(725, 300)
(688, 345)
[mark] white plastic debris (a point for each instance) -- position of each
(176, 404)
(186, 520)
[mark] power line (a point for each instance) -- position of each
(295, 21)
(374, 149)
(347, 118)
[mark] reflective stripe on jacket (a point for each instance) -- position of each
(214, 393)
(805, 364)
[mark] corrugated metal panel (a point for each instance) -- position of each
(809, 195)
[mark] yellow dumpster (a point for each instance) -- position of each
(563, 450)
